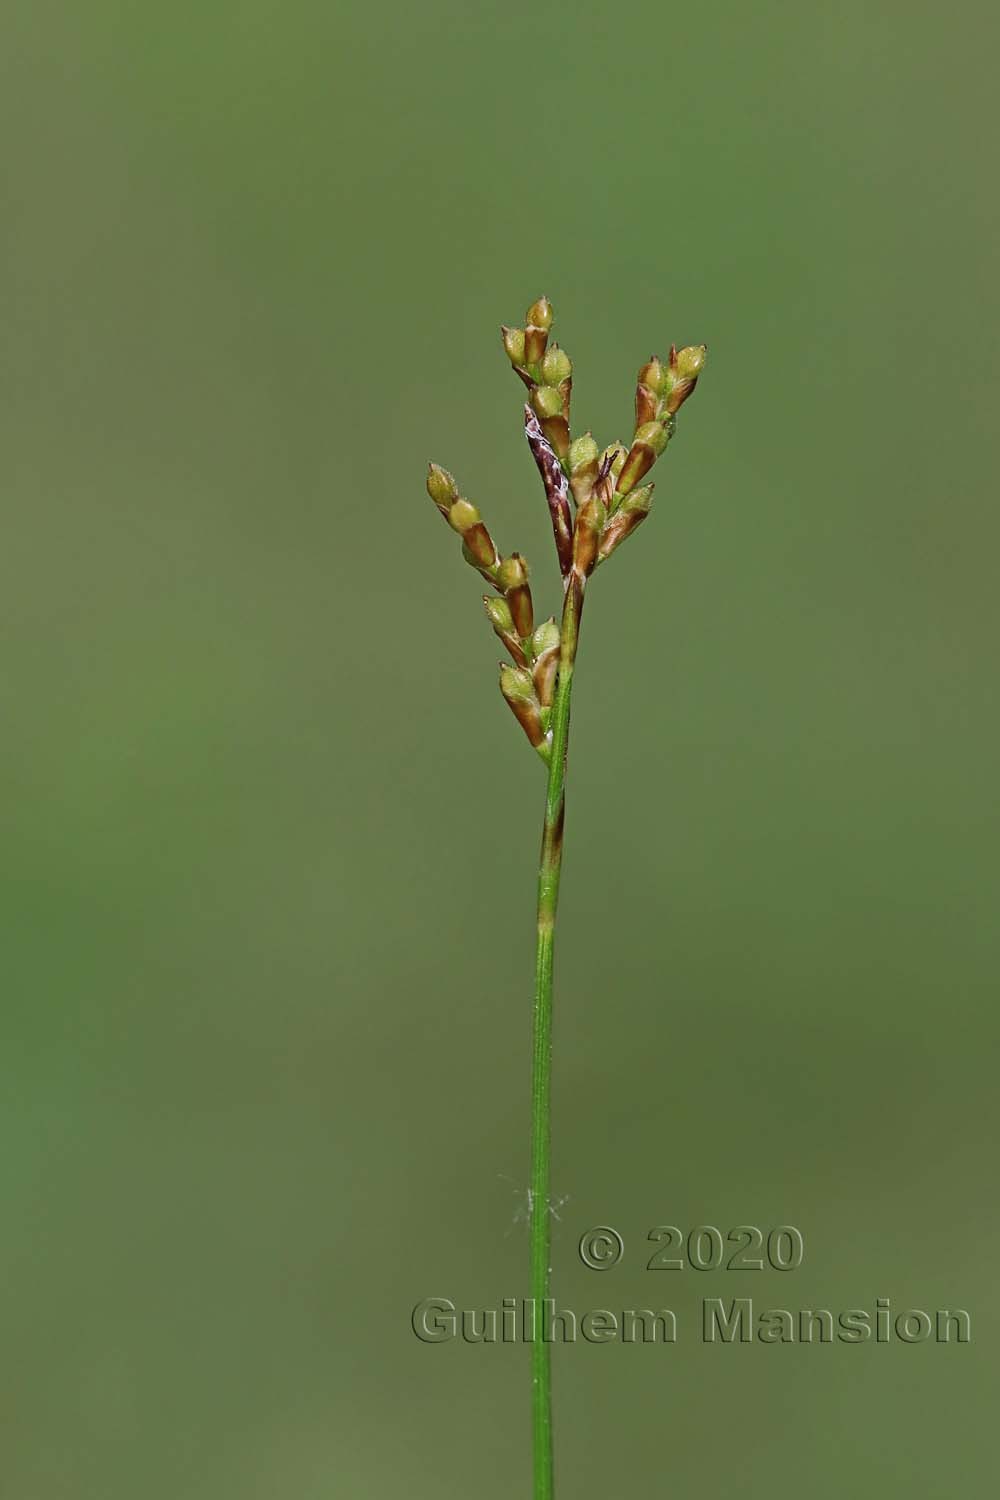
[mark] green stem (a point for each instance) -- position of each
(541, 1082)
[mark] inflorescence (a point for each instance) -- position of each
(596, 499)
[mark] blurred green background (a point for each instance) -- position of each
(270, 834)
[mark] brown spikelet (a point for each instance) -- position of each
(535, 340)
(639, 462)
(504, 631)
(587, 535)
(546, 667)
(645, 405)
(480, 546)
(519, 693)
(679, 394)
(529, 718)
(556, 430)
(647, 445)
(522, 609)
(624, 521)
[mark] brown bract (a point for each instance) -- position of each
(556, 487)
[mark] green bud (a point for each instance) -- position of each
(556, 365)
(513, 342)
(583, 456)
(654, 375)
(546, 637)
(513, 572)
(518, 688)
(691, 361)
(499, 614)
(637, 502)
(685, 367)
(582, 450)
(679, 392)
(631, 513)
(544, 673)
(654, 435)
(650, 441)
(536, 334)
(441, 487)
(547, 401)
(462, 516)
(539, 314)
(512, 578)
(515, 682)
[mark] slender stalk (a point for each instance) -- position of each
(549, 871)
(609, 504)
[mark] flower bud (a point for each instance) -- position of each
(654, 375)
(516, 683)
(478, 546)
(637, 502)
(441, 487)
(582, 459)
(540, 314)
(550, 406)
(545, 672)
(556, 365)
(633, 510)
(545, 637)
(519, 690)
(545, 644)
(535, 340)
(582, 450)
(646, 404)
(691, 361)
(513, 572)
(679, 393)
(462, 515)
(536, 334)
(499, 614)
(587, 535)
(650, 441)
(685, 366)
(513, 342)
(547, 401)
(654, 435)
(512, 577)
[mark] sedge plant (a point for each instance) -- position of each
(596, 498)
